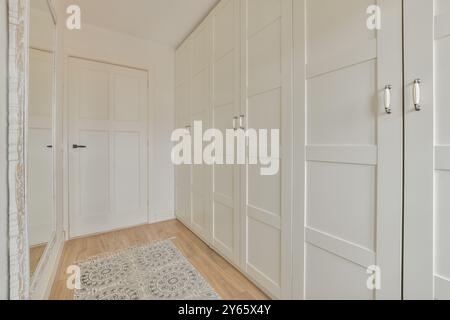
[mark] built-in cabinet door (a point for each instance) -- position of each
(183, 121)
(226, 110)
(107, 108)
(267, 104)
(348, 158)
(201, 102)
(427, 149)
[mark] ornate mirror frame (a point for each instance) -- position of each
(21, 286)
(19, 275)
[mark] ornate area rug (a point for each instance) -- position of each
(157, 271)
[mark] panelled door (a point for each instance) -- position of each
(267, 104)
(183, 121)
(348, 150)
(226, 111)
(107, 147)
(201, 102)
(427, 147)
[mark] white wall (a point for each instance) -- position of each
(3, 147)
(106, 46)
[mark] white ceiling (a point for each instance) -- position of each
(164, 21)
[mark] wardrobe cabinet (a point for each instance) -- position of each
(359, 208)
(237, 78)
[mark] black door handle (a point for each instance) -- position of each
(49, 146)
(75, 146)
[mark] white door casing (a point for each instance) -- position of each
(226, 95)
(267, 104)
(108, 178)
(427, 151)
(348, 150)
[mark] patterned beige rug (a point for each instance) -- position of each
(157, 271)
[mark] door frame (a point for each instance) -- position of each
(75, 54)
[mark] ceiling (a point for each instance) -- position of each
(167, 22)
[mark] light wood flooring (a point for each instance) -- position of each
(228, 282)
(35, 256)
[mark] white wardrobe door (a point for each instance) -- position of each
(108, 178)
(201, 101)
(226, 107)
(267, 104)
(182, 120)
(350, 154)
(427, 158)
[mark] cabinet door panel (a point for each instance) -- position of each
(348, 157)
(267, 104)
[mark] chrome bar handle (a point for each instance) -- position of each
(416, 94)
(387, 99)
(235, 119)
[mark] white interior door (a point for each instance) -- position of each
(107, 147)
(427, 158)
(267, 104)
(183, 120)
(225, 112)
(350, 154)
(39, 147)
(201, 102)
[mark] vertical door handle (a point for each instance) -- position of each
(416, 94)
(387, 99)
(235, 119)
(241, 121)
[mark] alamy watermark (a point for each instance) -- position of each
(239, 146)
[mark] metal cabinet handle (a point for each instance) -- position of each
(76, 146)
(235, 119)
(416, 94)
(241, 121)
(387, 99)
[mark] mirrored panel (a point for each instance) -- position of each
(40, 130)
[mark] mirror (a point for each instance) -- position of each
(39, 141)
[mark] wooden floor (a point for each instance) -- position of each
(229, 283)
(35, 256)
